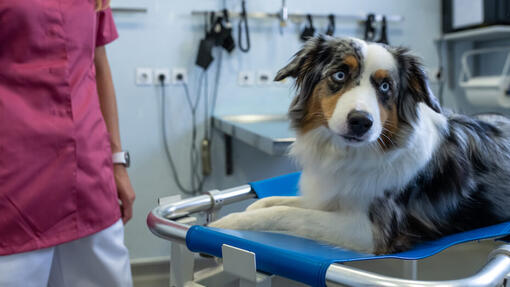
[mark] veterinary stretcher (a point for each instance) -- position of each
(253, 256)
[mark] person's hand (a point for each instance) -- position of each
(125, 192)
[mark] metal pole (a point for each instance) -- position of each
(161, 219)
(492, 274)
(301, 17)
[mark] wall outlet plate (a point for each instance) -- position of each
(143, 76)
(246, 78)
(179, 76)
(264, 78)
(162, 72)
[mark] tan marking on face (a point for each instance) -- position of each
(322, 104)
(351, 62)
(390, 123)
(388, 116)
(381, 74)
(320, 107)
(314, 116)
(328, 104)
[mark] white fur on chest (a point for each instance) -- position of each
(340, 177)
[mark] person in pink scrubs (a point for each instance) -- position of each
(60, 220)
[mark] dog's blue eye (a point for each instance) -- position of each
(384, 87)
(339, 76)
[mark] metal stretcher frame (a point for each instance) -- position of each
(162, 221)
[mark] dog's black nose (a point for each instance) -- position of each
(359, 122)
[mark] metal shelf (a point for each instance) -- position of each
(485, 33)
(298, 17)
(268, 133)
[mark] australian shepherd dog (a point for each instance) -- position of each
(383, 166)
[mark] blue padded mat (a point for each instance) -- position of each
(306, 260)
(285, 185)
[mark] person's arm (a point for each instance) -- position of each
(108, 105)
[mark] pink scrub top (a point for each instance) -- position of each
(56, 171)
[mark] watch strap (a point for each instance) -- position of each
(119, 158)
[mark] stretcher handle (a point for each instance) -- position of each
(163, 220)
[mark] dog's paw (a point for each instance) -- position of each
(261, 203)
(259, 219)
(232, 221)
(274, 201)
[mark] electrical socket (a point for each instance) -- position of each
(161, 72)
(246, 78)
(264, 78)
(143, 76)
(179, 76)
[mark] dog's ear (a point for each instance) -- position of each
(302, 60)
(414, 86)
(292, 68)
(306, 67)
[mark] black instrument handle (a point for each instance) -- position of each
(245, 47)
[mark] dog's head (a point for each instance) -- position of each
(362, 92)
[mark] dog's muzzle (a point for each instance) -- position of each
(359, 123)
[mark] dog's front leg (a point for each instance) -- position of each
(350, 230)
(295, 201)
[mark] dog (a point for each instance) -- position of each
(383, 166)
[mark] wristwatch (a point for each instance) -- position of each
(122, 158)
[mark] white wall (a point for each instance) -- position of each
(167, 36)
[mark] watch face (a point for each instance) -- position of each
(127, 157)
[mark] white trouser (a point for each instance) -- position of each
(100, 259)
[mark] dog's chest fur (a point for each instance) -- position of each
(339, 178)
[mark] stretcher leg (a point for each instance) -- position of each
(182, 263)
(181, 266)
(241, 263)
(410, 269)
